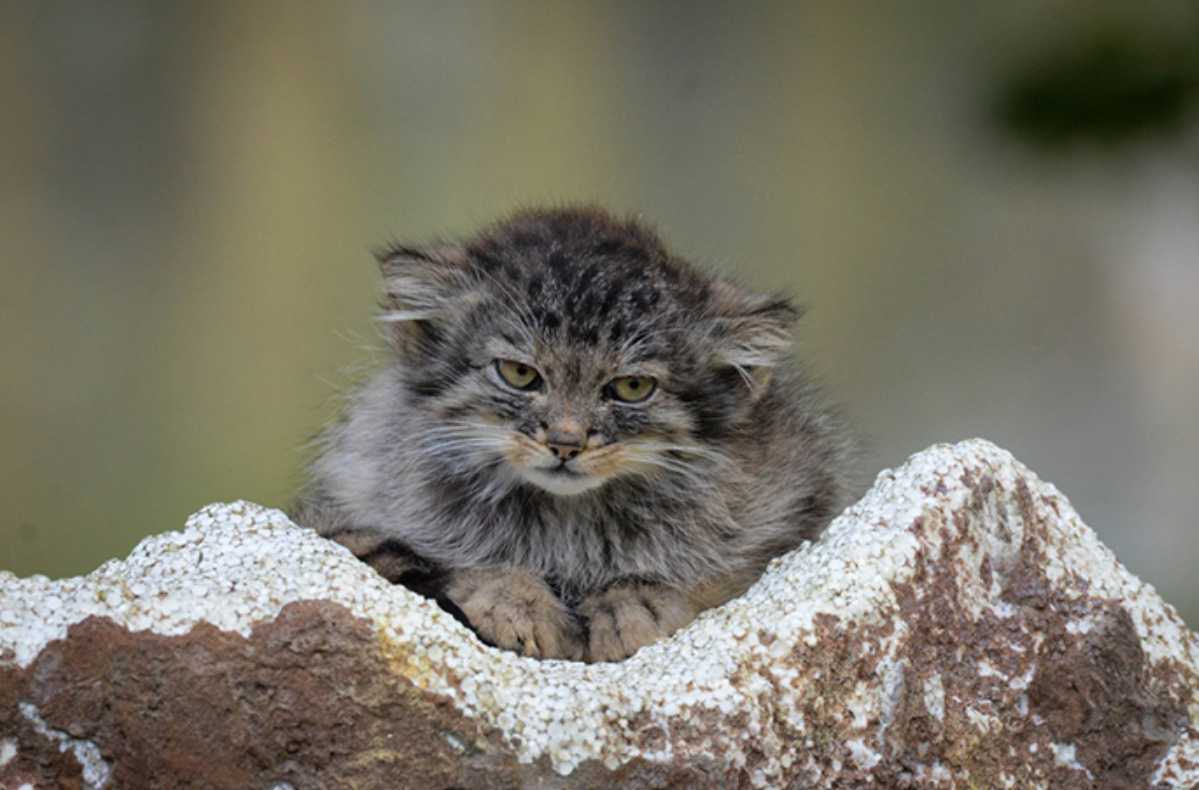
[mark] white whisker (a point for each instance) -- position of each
(396, 316)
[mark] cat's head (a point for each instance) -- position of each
(565, 349)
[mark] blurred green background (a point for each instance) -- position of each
(990, 209)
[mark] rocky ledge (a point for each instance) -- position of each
(958, 627)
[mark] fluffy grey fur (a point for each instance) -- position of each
(566, 515)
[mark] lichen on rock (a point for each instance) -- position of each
(957, 627)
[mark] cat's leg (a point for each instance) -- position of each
(390, 558)
(629, 615)
(516, 610)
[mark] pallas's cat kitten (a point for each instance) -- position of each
(578, 441)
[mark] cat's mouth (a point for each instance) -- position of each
(562, 480)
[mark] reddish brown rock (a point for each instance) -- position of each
(308, 700)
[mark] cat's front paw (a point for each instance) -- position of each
(627, 616)
(517, 611)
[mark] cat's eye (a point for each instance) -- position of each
(518, 374)
(631, 389)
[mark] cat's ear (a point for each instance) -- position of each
(752, 332)
(420, 286)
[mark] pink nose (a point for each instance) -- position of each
(565, 441)
(565, 449)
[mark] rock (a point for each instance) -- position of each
(958, 627)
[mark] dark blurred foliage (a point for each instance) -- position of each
(1111, 87)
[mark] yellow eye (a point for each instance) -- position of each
(632, 389)
(518, 374)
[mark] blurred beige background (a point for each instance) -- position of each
(990, 209)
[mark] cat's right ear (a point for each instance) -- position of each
(420, 287)
(751, 332)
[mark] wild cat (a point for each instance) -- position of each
(578, 440)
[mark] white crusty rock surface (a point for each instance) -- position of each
(958, 627)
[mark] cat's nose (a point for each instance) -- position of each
(566, 441)
(565, 449)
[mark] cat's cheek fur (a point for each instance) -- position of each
(603, 463)
(523, 452)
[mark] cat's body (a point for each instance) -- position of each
(579, 441)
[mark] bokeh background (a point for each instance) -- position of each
(991, 211)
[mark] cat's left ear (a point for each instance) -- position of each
(421, 288)
(752, 332)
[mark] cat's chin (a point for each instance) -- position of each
(562, 483)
